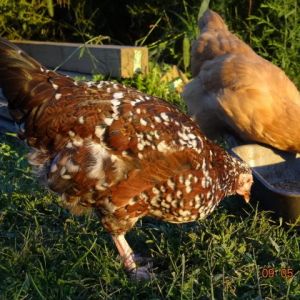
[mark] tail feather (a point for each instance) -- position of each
(15, 66)
(14, 52)
(25, 83)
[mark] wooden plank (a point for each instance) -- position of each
(109, 60)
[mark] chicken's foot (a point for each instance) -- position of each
(129, 259)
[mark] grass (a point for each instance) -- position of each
(46, 253)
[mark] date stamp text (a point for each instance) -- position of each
(270, 272)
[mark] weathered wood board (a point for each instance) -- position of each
(109, 60)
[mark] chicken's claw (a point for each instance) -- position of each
(141, 273)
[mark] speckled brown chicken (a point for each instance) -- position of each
(237, 90)
(113, 149)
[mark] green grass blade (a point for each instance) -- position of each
(203, 8)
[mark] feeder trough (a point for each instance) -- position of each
(276, 179)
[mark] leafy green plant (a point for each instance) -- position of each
(185, 30)
(47, 20)
(152, 84)
(191, 30)
(24, 18)
(275, 34)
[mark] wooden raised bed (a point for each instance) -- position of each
(109, 60)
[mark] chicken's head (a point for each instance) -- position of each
(244, 184)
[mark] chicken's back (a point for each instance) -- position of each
(215, 40)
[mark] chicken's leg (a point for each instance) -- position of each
(127, 256)
(125, 252)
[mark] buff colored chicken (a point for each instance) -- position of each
(236, 89)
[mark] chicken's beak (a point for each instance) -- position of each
(247, 197)
(245, 194)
